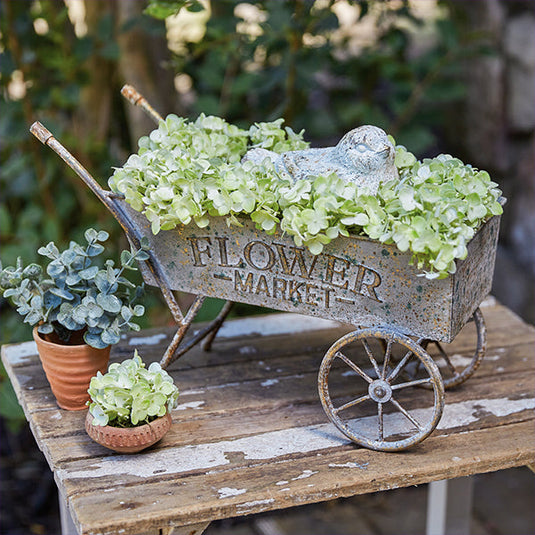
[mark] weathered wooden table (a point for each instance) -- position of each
(249, 434)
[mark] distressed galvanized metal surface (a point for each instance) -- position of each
(355, 280)
(473, 279)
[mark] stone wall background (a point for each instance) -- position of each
(497, 133)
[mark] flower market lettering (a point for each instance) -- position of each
(285, 272)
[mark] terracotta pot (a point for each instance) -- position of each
(128, 439)
(69, 369)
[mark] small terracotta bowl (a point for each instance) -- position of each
(128, 439)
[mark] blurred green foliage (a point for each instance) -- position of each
(296, 61)
(42, 200)
(41, 78)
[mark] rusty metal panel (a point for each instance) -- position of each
(355, 280)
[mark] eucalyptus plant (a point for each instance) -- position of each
(129, 395)
(75, 293)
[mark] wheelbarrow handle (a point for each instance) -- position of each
(46, 137)
(111, 201)
(137, 99)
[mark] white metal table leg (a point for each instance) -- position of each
(449, 506)
(67, 525)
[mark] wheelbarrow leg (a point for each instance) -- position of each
(207, 334)
(218, 322)
(184, 325)
(137, 99)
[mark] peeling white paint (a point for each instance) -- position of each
(489, 301)
(349, 373)
(269, 382)
(283, 482)
(191, 392)
(456, 459)
(454, 415)
(147, 340)
(56, 416)
(362, 466)
(225, 385)
(304, 475)
(189, 405)
(460, 414)
(461, 361)
(254, 503)
(227, 492)
(237, 383)
(274, 444)
(20, 353)
(274, 324)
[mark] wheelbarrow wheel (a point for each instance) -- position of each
(364, 394)
(455, 367)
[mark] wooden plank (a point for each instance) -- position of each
(503, 327)
(321, 477)
(57, 423)
(248, 332)
(284, 402)
(511, 400)
(65, 444)
(250, 417)
(262, 362)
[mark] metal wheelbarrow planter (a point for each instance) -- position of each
(379, 384)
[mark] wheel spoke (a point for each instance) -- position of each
(411, 383)
(405, 413)
(371, 357)
(386, 361)
(381, 422)
(354, 367)
(351, 404)
(399, 367)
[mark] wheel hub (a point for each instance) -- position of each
(380, 391)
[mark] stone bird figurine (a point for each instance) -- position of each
(364, 156)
